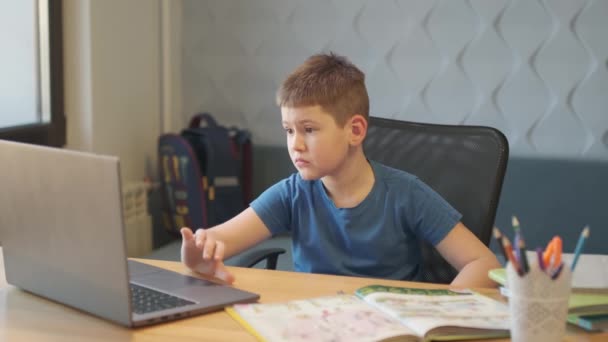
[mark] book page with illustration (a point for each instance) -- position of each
(330, 318)
(431, 312)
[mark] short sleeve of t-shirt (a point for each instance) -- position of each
(429, 215)
(274, 207)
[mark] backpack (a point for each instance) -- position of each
(205, 174)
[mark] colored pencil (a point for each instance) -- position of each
(498, 237)
(509, 252)
(579, 246)
(521, 246)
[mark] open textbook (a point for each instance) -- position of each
(377, 313)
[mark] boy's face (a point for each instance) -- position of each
(317, 145)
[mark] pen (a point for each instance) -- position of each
(557, 271)
(553, 254)
(579, 246)
(509, 252)
(539, 254)
(498, 237)
(521, 246)
(557, 251)
(548, 253)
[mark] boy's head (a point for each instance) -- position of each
(329, 81)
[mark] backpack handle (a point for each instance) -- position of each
(241, 136)
(202, 118)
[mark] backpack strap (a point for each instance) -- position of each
(202, 118)
(182, 196)
(242, 143)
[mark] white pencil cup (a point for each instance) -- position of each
(538, 304)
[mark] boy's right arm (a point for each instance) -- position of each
(204, 251)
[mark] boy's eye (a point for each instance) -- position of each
(308, 129)
(288, 130)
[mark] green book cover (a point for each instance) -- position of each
(583, 302)
(590, 322)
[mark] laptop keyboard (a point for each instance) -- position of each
(145, 300)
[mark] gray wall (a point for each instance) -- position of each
(112, 81)
(536, 70)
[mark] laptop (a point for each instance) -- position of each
(63, 238)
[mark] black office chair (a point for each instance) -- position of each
(464, 164)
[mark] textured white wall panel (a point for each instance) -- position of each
(535, 69)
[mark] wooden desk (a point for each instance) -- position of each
(26, 317)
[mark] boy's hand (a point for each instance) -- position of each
(203, 254)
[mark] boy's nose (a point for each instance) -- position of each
(297, 144)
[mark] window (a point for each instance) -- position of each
(31, 65)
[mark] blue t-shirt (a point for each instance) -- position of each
(377, 238)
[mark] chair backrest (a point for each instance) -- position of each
(464, 164)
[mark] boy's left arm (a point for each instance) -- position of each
(463, 250)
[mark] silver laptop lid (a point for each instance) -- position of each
(76, 258)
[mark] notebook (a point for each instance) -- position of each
(63, 238)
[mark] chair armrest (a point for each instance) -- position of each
(271, 255)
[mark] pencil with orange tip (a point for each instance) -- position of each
(557, 252)
(553, 253)
(548, 253)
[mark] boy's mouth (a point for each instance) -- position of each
(300, 162)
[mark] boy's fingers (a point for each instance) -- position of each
(209, 262)
(221, 272)
(200, 237)
(206, 268)
(219, 251)
(186, 234)
(189, 253)
(209, 248)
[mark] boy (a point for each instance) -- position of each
(346, 215)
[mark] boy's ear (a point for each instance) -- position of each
(358, 129)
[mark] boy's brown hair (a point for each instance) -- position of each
(330, 81)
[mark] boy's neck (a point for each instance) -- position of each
(352, 184)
